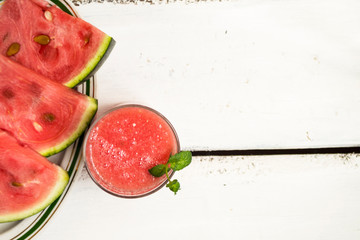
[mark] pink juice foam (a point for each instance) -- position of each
(123, 145)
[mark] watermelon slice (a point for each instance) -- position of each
(51, 42)
(28, 181)
(41, 113)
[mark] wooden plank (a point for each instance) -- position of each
(239, 74)
(247, 197)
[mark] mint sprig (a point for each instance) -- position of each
(176, 163)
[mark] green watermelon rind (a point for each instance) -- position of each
(87, 117)
(56, 190)
(95, 63)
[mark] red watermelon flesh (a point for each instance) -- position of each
(75, 48)
(28, 181)
(41, 113)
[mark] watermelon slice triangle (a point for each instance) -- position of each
(41, 113)
(51, 42)
(28, 181)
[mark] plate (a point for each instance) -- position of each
(70, 160)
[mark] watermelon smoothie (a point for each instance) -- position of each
(124, 144)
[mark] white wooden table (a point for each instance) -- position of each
(235, 75)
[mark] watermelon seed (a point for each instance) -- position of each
(8, 93)
(16, 184)
(48, 15)
(37, 127)
(42, 39)
(13, 49)
(48, 117)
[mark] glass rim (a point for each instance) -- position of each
(112, 109)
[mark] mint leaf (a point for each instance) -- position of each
(158, 170)
(180, 160)
(176, 163)
(173, 186)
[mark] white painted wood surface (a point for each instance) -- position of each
(238, 74)
(233, 75)
(295, 197)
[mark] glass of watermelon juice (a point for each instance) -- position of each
(123, 144)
